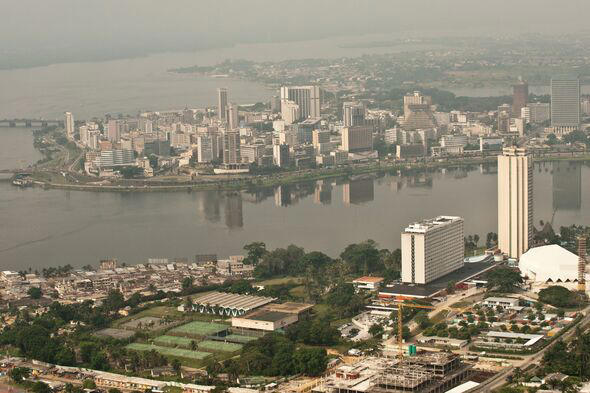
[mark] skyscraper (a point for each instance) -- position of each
(357, 138)
(565, 102)
(432, 248)
(520, 97)
(290, 112)
(353, 114)
(307, 97)
(515, 201)
(232, 116)
(69, 125)
(221, 103)
(280, 154)
(231, 147)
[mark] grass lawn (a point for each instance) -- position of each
(156, 312)
(461, 304)
(298, 292)
(218, 346)
(173, 352)
(281, 280)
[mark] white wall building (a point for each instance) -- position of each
(69, 125)
(432, 248)
(550, 263)
(307, 97)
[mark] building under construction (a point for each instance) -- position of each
(423, 373)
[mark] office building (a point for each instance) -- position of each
(251, 153)
(416, 98)
(290, 112)
(113, 131)
(221, 103)
(538, 112)
(231, 147)
(515, 201)
(318, 137)
(275, 104)
(205, 152)
(307, 97)
(357, 138)
(232, 116)
(69, 125)
(112, 158)
(431, 249)
(353, 114)
(565, 102)
(520, 97)
(280, 155)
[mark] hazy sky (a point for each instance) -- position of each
(62, 30)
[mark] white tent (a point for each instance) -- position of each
(550, 263)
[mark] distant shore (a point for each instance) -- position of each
(254, 182)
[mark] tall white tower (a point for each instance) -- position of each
(69, 125)
(515, 201)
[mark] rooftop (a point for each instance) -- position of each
(289, 307)
(368, 279)
(232, 300)
(431, 223)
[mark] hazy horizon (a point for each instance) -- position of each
(39, 33)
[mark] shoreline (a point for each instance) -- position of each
(250, 183)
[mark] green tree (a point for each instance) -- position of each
(362, 258)
(19, 374)
(376, 330)
(255, 252)
(187, 282)
(88, 384)
(40, 387)
(558, 296)
(35, 292)
(114, 300)
(504, 280)
(310, 361)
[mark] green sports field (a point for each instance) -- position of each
(198, 329)
(173, 341)
(219, 346)
(166, 351)
(239, 338)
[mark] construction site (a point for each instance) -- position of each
(421, 373)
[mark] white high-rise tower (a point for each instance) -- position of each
(69, 125)
(515, 201)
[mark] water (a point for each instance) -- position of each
(16, 148)
(45, 228)
(131, 85)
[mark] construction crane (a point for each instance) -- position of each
(400, 325)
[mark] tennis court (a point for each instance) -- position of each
(219, 346)
(173, 341)
(237, 338)
(166, 351)
(199, 329)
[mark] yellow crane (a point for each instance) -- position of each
(400, 325)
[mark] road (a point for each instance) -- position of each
(500, 379)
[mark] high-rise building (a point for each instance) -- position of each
(431, 249)
(113, 131)
(520, 97)
(204, 148)
(221, 103)
(232, 116)
(539, 112)
(280, 155)
(415, 98)
(565, 102)
(353, 114)
(515, 201)
(69, 125)
(275, 104)
(307, 97)
(319, 136)
(231, 147)
(290, 112)
(357, 138)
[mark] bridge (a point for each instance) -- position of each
(29, 123)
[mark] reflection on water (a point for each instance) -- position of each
(52, 227)
(567, 185)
